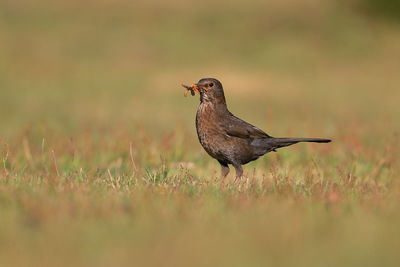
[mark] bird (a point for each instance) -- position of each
(228, 139)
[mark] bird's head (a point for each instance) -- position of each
(210, 90)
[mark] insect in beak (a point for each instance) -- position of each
(193, 89)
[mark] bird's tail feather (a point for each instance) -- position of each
(262, 146)
(296, 140)
(275, 143)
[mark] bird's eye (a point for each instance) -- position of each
(210, 84)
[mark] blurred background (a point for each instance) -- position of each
(117, 63)
(86, 87)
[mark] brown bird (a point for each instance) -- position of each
(227, 138)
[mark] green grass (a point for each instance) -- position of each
(100, 163)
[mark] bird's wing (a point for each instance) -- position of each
(234, 126)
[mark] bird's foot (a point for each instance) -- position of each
(238, 179)
(222, 184)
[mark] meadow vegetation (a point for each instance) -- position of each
(100, 163)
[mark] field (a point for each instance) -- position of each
(100, 162)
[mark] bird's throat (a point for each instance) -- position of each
(213, 100)
(212, 108)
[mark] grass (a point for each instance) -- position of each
(100, 163)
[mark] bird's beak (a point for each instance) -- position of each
(199, 87)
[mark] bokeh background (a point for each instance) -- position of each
(95, 132)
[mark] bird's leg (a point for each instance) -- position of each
(239, 171)
(224, 171)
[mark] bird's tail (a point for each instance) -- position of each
(265, 145)
(296, 140)
(282, 142)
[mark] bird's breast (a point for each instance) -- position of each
(206, 121)
(209, 131)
